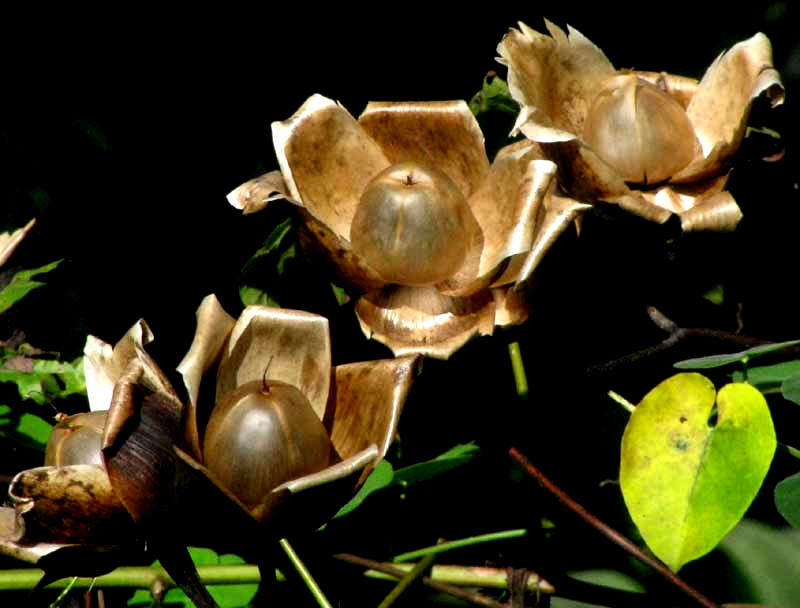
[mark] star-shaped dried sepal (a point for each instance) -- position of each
(654, 143)
(270, 438)
(407, 210)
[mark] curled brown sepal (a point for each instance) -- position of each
(103, 365)
(60, 559)
(143, 424)
(651, 142)
(404, 208)
(10, 240)
(254, 194)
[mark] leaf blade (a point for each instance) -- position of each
(685, 483)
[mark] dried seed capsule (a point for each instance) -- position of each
(639, 130)
(411, 225)
(76, 440)
(261, 435)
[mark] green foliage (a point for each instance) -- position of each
(787, 499)
(278, 248)
(227, 596)
(24, 428)
(687, 479)
(493, 97)
(767, 562)
(744, 356)
(381, 477)
(43, 380)
(21, 284)
(454, 457)
(385, 476)
(279, 275)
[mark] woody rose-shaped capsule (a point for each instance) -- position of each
(405, 204)
(281, 438)
(654, 143)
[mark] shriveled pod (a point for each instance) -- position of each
(76, 440)
(411, 225)
(261, 435)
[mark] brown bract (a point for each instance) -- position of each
(654, 143)
(9, 241)
(405, 205)
(153, 482)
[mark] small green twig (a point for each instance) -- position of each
(399, 570)
(518, 367)
(456, 544)
(471, 576)
(622, 401)
(305, 574)
(405, 582)
(131, 577)
(64, 593)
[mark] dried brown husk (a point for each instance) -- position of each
(328, 159)
(560, 80)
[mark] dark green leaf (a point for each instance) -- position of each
(609, 578)
(715, 295)
(740, 357)
(768, 560)
(21, 284)
(787, 499)
(280, 274)
(790, 389)
(227, 596)
(452, 458)
(380, 478)
(494, 96)
(25, 428)
(271, 258)
(46, 379)
(768, 376)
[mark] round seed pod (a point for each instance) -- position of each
(261, 435)
(639, 130)
(411, 225)
(76, 440)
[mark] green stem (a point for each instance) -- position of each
(404, 583)
(470, 576)
(518, 367)
(64, 593)
(305, 574)
(456, 544)
(132, 577)
(622, 401)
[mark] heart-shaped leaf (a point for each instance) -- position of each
(689, 471)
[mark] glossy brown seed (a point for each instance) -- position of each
(76, 440)
(640, 130)
(261, 435)
(411, 225)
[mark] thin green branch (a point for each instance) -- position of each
(518, 368)
(405, 582)
(132, 577)
(398, 571)
(305, 574)
(456, 544)
(470, 576)
(622, 401)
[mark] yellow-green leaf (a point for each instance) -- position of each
(689, 470)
